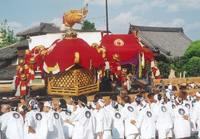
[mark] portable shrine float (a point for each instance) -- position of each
(69, 66)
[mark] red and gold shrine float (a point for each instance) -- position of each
(70, 64)
(71, 67)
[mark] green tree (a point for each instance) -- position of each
(164, 69)
(193, 50)
(193, 66)
(6, 35)
(87, 25)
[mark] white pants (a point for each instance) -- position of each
(106, 135)
(133, 136)
(164, 133)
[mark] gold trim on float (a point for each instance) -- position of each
(55, 68)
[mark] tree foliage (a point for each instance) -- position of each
(193, 66)
(6, 35)
(87, 25)
(164, 69)
(193, 50)
(190, 62)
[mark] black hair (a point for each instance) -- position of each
(159, 97)
(41, 106)
(113, 97)
(25, 108)
(150, 95)
(97, 97)
(75, 99)
(126, 99)
(62, 104)
(14, 106)
(83, 99)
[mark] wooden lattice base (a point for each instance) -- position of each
(73, 82)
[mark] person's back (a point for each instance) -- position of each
(13, 125)
(118, 125)
(42, 125)
(106, 118)
(89, 124)
(57, 132)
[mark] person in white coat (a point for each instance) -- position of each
(87, 120)
(57, 132)
(164, 122)
(195, 115)
(104, 121)
(77, 112)
(30, 123)
(118, 123)
(130, 117)
(65, 114)
(4, 109)
(181, 117)
(146, 122)
(12, 123)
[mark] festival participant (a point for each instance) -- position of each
(23, 109)
(130, 117)
(164, 122)
(29, 126)
(104, 121)
(57, 132)
(146, 122)
(77, 112)
(87, 120)
(118, 123)
(65, 114)
(180, 115)
(151, 100)
(12, 123)
(114, 101)
(137, 103)
(196, 113)
(4, 109)
(169, 100)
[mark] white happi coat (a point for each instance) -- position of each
(195, 113)
(57, 132)
(146, 123)
(67, 128)
(13, 125)
(163, 120)
(88, 122)
(129, 113)
(43, 125)
(170, 106)
(78, 128)
(104, 123)
(29, 121)
(182, 127)
(118, 125)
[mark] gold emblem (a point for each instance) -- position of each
(118, 42)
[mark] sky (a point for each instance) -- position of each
(23, 14)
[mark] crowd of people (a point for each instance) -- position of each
(146, 116)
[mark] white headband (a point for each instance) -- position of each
(20, 108)
(101, 102)
(144, 103)
(198, 94)
(48, 104)
(156, 97)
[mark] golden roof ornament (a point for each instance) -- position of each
(74, 16)
(21, 61)
(23, 77)
(32, 60)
